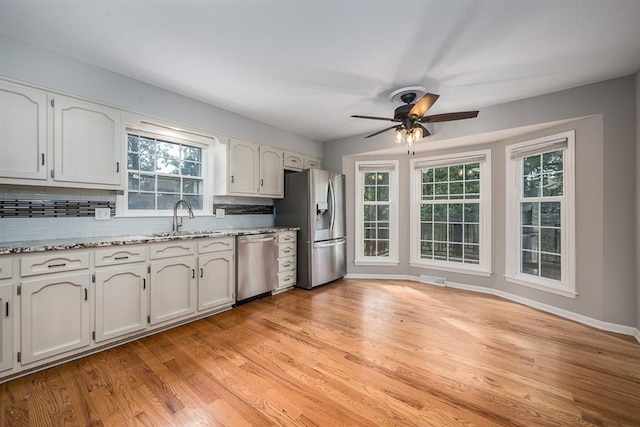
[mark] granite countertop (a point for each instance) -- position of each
(27, 246)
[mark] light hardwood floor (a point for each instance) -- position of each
(351, 353)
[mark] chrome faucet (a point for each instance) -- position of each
(176, 224)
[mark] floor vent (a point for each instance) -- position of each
(432, 280)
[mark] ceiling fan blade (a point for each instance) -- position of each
(381, 131)
(447, 117)
(421, 107)
(376, 118)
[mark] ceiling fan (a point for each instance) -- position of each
(410, 116)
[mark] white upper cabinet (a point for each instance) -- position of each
(87, 140)
(247, 169)
(23, 132)
(271, 172)
(293, 161)
(312, 163)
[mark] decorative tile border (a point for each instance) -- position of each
(244, 209)
(51, 208)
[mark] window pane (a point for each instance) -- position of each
(191, 186)
(426, 212)
(147, 163)
(552, 184)
(146, 145)
(455, 188)
(550, 267)
(472, 254)
(168, 184)
(550, 214)
(442, 190)
(472, 171)
(531, 186)
(167, 165)
(550, 240)
(383, 213)
(427, 175)
(455, 212)
(529, 262)
(427, 191)
(147, 183)
(456, 173)
(369, 193)
(383, 178)
(141, 201)
(133, 161)
(529, 213)
(440, 251)
(195, 201)
(455, 232)
(369, 248)
(369, 178)
(370, 230)
(440, 232)
(383, 233)
(472, 212)
(426, 250)
(531, 166)
(552, 162)
(369, 212)
(134, 182)
(168, 150)
(383, 194)
(191, 153)
(426, 231)
(529, 237)
(132, 143)
(382, 248)
(472, 187)
(472, 233)
(191, 169)
(440, 212)
(455, 252)
(441, 174)
(166, 201)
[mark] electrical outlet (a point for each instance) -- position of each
(219, 213)
(103, 214)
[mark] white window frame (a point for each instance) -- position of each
(483, 268)
(391, 166)
(567, 285)
(173, 134)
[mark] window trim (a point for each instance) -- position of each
(178, 136)
(484, 267)
(567, 285)
(391, 166)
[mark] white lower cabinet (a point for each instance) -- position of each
(173, 289)
(286, 261)
(6, 326)
(216, 283)
(121, 301)
(54, 316)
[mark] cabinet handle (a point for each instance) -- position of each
(118, 258)
(117, 167)
(56, 265)
(6, 309)
(287, 250)
(261, 182)
(144, 284)
(86, 294)
(42, 156)
(193, 273)
(232, 179)
(201, 272)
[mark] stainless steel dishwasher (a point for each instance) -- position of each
(257, 266)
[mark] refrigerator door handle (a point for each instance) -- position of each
(332, 193)
(329, 243)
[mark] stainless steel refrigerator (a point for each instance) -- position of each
(314, 201)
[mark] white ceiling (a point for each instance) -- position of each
(306, 66)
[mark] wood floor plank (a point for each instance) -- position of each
(351, 353)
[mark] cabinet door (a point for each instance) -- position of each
(87, 140)
(243, 167)
(293, 161)
(216, 281)
(6, 326)
(121, 301)
(23, 132)
(271, 172)
(173, 289)
(312, 163)
(54, 316)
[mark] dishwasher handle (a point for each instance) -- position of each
(264, 239)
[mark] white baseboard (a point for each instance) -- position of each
(599, 324)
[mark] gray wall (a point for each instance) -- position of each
(604, 119)
(28, 63)
(638, 193)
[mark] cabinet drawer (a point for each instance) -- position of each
(287, 263)
(286, 236)
(170, 250)
(53, 263)
(287, 278)
(119, 255)
(6, 268)
(215, 245)
(286, 249)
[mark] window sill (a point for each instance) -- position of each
(381, 263)
(477, 271)
(541, 287)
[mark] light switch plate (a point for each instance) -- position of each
(219, 213)
(103, 214)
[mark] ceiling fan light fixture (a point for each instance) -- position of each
(417, 133)
(398, 137)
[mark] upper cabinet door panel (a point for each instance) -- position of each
(23, 132)
(87, 142)
(271, 172)
(243, 167)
